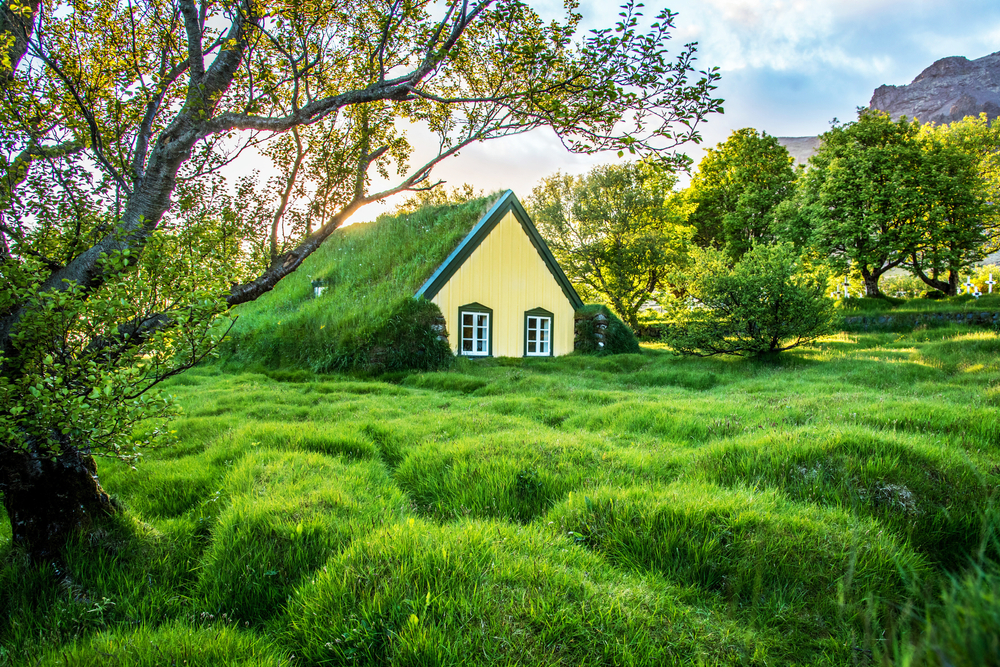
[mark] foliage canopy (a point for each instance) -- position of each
(616, 232)
(768, 302)
(883, 194)
(734, 194)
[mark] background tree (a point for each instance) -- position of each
(954, 231)
(862, 200)
(886, 193)
(615, 231)
(962, 179)
(114, 116)
(770, 301)
(736, 189)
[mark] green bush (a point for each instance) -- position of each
(618, 338)
(769, 302)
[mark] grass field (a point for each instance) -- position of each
(833, 508)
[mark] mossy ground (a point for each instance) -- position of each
(832, 507)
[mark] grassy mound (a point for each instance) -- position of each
(487, 594)
(287, 514)
(634, 509)
(754, 547)
(930, 495)
(173, 644)
(367, 318)
(505, 476)
(617, 337)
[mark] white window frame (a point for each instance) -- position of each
(543, 348)
(481, 328)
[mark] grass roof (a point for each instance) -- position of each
(367, 317)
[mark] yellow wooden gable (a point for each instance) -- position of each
(501, 291)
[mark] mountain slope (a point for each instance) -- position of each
(949, 90)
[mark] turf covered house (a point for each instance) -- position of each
(502, 292)
(478, 268)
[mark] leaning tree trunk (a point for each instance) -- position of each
(949, 287)
(48, 500)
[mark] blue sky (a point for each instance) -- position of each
(788, 67)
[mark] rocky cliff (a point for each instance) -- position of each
(949, 90)
(800, 148)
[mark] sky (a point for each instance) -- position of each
(788, 68)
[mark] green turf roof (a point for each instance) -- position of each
(370, 271)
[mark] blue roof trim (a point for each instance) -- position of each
(507, 202)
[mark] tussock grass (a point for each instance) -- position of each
(930, 495)
(172, 644)
(485, 593)
(751, 546)
(830, 507)
(508, 477)
(286, 513)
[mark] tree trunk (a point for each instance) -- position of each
(871, 283)
(949, 287)
(49, 500)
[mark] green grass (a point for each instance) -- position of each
(367, 318)
(955, 304)
(834, 506)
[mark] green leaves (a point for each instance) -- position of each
(884, 193)
(737, 189)
(768, 302)
(614, 231)
(83, 364)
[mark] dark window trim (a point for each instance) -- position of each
(475, 307)
(539, 312)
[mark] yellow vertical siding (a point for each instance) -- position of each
(507, 274)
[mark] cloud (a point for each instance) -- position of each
(788, 67)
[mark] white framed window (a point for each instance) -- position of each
(538, 333)
(475, 330)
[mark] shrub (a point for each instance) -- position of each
(769, 302)
(618, 338)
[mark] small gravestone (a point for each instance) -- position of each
(600, 328)
(968, 285)
(991, 283)
(847, 283)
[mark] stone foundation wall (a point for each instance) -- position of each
(910, 321)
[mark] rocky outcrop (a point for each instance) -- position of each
(800, 148)
(949, 90)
